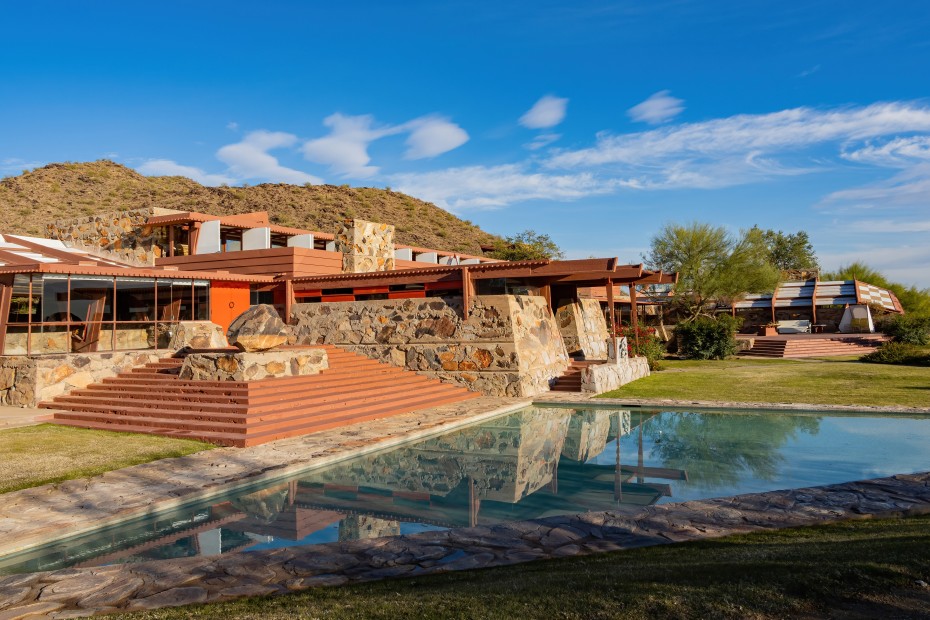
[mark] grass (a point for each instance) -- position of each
(36, 455)
(866, 569)
(816, 381)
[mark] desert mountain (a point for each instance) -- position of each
(59, 191)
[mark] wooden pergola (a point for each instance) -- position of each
(549, 276)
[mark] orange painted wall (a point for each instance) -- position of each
(227, 301)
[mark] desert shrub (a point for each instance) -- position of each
(707, 338)
(907, 328)
(901, 353)
(644, 342)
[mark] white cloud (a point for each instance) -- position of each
(742, 148)
(889, 226)
(491, 187)
(911, 187)
(894, 153)
(431, 136)
(168, 168)
(542, 140)
(810, 71)
(13, 166)
(232, 126)
(345, 149)
(658, 108)
(249, 159)
(547, 112)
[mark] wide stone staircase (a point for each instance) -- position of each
(153, 399)
(798, 347)
(570, 381)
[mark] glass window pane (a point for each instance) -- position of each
(92, 298)
(50, 339)
(201, 300)
(15, 341)
(174, 300)
(136, 336)
(55, 299)
(135, 299)
(21, 306)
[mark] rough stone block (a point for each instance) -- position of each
(198, 335)
(258, 329)
(365, 246)
(253, 366)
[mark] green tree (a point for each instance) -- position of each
(789, 251)
(913, 299)
(527, 245)
(712, 265)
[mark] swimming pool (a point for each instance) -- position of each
(537, 462)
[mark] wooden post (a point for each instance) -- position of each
(288, 300)
(814, 303)
(546, 292)
(610, 308)
(468, 291)
(192, 237)
(634, 315)
(774, 296)
(171, 240)
(6, 298)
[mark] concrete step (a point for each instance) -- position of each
(153, 399)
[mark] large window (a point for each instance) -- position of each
(52, 313)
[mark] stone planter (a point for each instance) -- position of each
(765, 330)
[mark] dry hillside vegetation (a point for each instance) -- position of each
(59, 191)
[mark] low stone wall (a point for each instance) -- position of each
(26, 381)
(605, 377)
(121, 235)
(584, 329)
(509, 346)
(253, 366)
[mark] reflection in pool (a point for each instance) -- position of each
(533, 463)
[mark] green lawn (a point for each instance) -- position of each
(36, 455)
(863, 569)
(819, 381)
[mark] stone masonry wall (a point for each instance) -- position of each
(584, 329)
(29, 380)
(605, 377)
(365, 246)
(120, 235)
(509, 346)
(253, 366)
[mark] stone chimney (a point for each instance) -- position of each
(365, 246)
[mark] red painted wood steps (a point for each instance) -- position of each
(153, 399)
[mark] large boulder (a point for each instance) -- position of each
(198, 335)
(257, 329)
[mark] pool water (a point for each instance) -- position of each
(537, 462)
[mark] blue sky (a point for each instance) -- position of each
(595, 122)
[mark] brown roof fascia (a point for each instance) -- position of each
(550, 271)
(131, 272)
(659, 277)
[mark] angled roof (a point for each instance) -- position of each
(586, 272)
(823, 293)
(21, 254)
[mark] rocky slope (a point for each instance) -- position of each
(68, 190)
